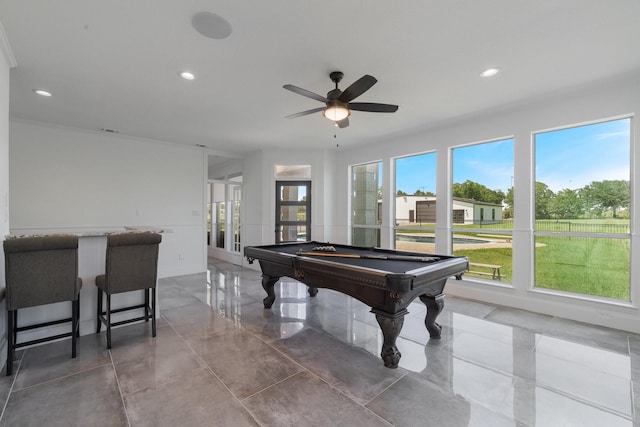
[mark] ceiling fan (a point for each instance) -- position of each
(338, 103)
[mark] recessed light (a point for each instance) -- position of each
(187, 75)
(490, 72)
(42, 92)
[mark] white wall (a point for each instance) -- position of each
(321, 196)
(259, 193)
(6, 62)
(616, 97)
(71, 178)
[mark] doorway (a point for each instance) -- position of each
(293, 211)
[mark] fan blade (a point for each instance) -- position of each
(343, 123)
(304, 113)
(357, 88)
(304, 92)
(372, 107)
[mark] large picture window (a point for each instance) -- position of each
(366, 191)
(482, 204)
(582, 209)
(415, 203)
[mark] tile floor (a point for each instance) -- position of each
(221, 359)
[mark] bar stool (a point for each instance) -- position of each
(38, 271)
(132, 264)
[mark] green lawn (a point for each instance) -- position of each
(581, 265)
(584, 265)
(498, 256)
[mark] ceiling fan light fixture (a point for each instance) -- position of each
(336, 113)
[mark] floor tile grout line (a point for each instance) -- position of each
(315, 375)
(587, 402)
(542, 332)
(59, 378)
(574, 397)
(13, 383)
(203, 362)
(386, 388)
(286, 356)
(274, 384)
(115, 374)
(306, 369)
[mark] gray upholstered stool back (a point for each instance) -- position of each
(41, 270)
(132, 262)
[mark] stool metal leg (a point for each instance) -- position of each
(10, 342)
(99, 315)
(75, 309)
(146, 305)
(15, 326)
(108, 321)
(153, 311)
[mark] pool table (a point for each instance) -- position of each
(386, 280)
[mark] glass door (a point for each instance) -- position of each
(293, 211)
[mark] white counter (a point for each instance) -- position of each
(82, 231)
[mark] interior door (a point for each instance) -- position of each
(293, 211)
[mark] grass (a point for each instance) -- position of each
(582, 265)
(498, 256)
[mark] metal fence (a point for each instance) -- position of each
(582, 227)
(560, 226)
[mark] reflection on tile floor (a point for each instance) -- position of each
(221, 359)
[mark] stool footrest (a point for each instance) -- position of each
(124, 322)
(41, 340)
(43, 324)
(132, 307)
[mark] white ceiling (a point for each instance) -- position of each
(114, 64)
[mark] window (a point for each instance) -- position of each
(415, 203)
(293, 171)
(582, 209)
(218, 208)
(482, 218)
(366, 191)
(224, 214)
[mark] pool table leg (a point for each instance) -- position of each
(268, 282)
(391, 327)
(434, 307)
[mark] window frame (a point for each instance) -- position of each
(598, 235)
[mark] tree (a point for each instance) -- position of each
(423, 193)
(608, 194)
(566, 204)
(401, 193)
(543, 198)
(475, 191)
(508, 200)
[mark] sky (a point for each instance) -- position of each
(566, 158)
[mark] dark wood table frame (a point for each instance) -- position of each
(387, 291)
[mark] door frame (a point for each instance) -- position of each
(280, 203)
